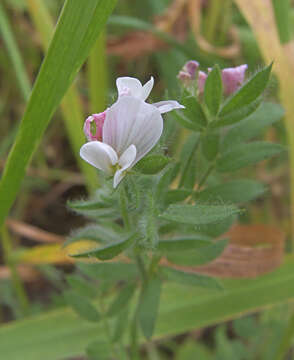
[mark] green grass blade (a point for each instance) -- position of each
(62, 334)
(71, 105)
(97, 75)
(14, 54)
(77, 30)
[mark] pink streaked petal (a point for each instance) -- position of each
(168, 105)
(132, 121)
(99, 121)
(202, 76)
(233, 78)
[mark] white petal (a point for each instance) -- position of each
(125, 161)
(129, 86)
(169, 105)
(132, 121)
(100, 155)
(146, 90)
(128, 157)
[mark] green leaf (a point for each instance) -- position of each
(185, 122)
(81, 286)
(236, 115)
(148, 306)
(188, 161)
(210, 145)
(247, 154)
(183, 243)
(82, 306)
(173, 196)
(94, 232)
(192, 279)
(98, 350)
(110, 251)
(194, 112)
(213, 90)
(109, 271)
(152, 164)
(120, 324)
(76, 32)
(219, 228)
(199, 256)
(199, 214)
(122, 299)
(235, 191)
(252, 126)
(249, 92)
(182, 309)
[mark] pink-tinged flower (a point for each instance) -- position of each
(202, 76)
(233, 78)
(98, 119)
(128, 86)
(130, 130)
(188, 72)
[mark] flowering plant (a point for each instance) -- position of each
(156, 214)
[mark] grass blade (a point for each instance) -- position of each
(76, 31)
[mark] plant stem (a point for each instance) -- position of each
(205, 176)
(16, 280)
(188, 163)
(123, 201)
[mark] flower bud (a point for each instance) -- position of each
(99, 121)
(188, 72)
(233, 78)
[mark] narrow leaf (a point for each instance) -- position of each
(81, 286)
(248, 92)
(199, 256)
(110, 271)
(247, 154)
(213, 90)
(235, 191)
(82, 306)
(110, 251)
(192, 279)
(152, 164)
(199, 214)
(148, 306)
(122, 299)
(194, 112)
(183, 243)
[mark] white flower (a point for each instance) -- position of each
(128, 86)
(130, 130)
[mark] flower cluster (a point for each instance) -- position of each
(232, 78)
(126, 131)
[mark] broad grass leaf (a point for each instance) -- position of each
(76, 32)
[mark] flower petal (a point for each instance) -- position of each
(132, 121)
(146, 90)
(166, 106)
(129, 86)
(100, 155)
(125, 161)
